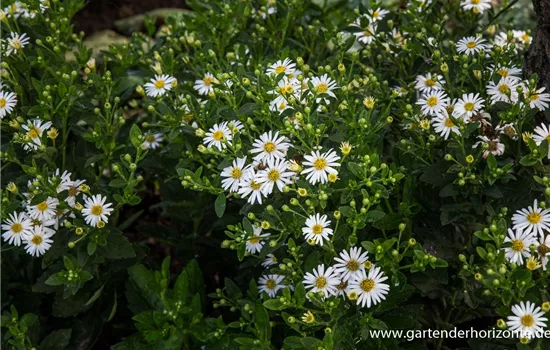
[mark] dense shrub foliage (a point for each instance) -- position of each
(359, 166)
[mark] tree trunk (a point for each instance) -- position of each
(537, 59)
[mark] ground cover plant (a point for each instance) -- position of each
(274, 175)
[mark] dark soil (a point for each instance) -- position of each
(101, 14)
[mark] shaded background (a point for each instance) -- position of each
(101, 14)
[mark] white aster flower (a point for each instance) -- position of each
(478, 6)
(73, 190)
(38, 241)
(350, 264)
(468, 105)
(159, 85)
(366, 36)
(542, 132)
(152, 141)
(376, 15)
(490, 145)
(527, 319)
(522, 37)
(251, 187)
(218, 136)
(279, 104)
(317, 228)
(233, 174)
(533, 219)
(270, 260)
(275, 174)
(8, 100)
(504, 91)
(471, 45)
(427, 83)
(16, 43)
(255, 243)
(444, 126)
(16, 227)
(270, 284)
(506, 72)
(44, 210)
(285, 66)
(322, 281)
(34, 131)
(521, 240)
(270, 146)
(320, 165)
(369, 287)
(205, 86)
(537, 99)
(324, 85)
(433, 103)
(96, 210)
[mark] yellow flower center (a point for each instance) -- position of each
(255, 186)
(16, 228)
(526, 38)
(471, 44)
(34, 132)
(236, 173)
(432, 101)
(375, 14)
(504, 89)
(208, 81)
(367, 285)
(97, 210)
(543, 249)
(534, 97)
(353, 265)
(273, 175)
(16, 44)
(36, 240)
(270, 284)
(367, 33)
(280, 69)
(217, 135)
(469, 106)
(2, 102)
(429, 82)
(269, 147)
(449, 123)
(534, 218)
(503, 72)
(320, 282)
(317, 229)
(150, 138)
(42, 206)
(517, 245)
(73, 191)
(320, 164)
(159, 84)
(475, 2)
(527, 321)
(322, 88)
(532, 264)
(254, 240)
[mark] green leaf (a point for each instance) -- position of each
(377, 324)
(233, 290)
(312, 261)
(492, 162)
(375, 215)
(136, 137)
(247, 226)
(181, 287)
(273, 304)
(56, 340)
(118, 247)
(356, 169)
(261, 322)
(220, 205)
(56, 279)
(96, 295)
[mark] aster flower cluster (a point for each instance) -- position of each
(44, 213)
